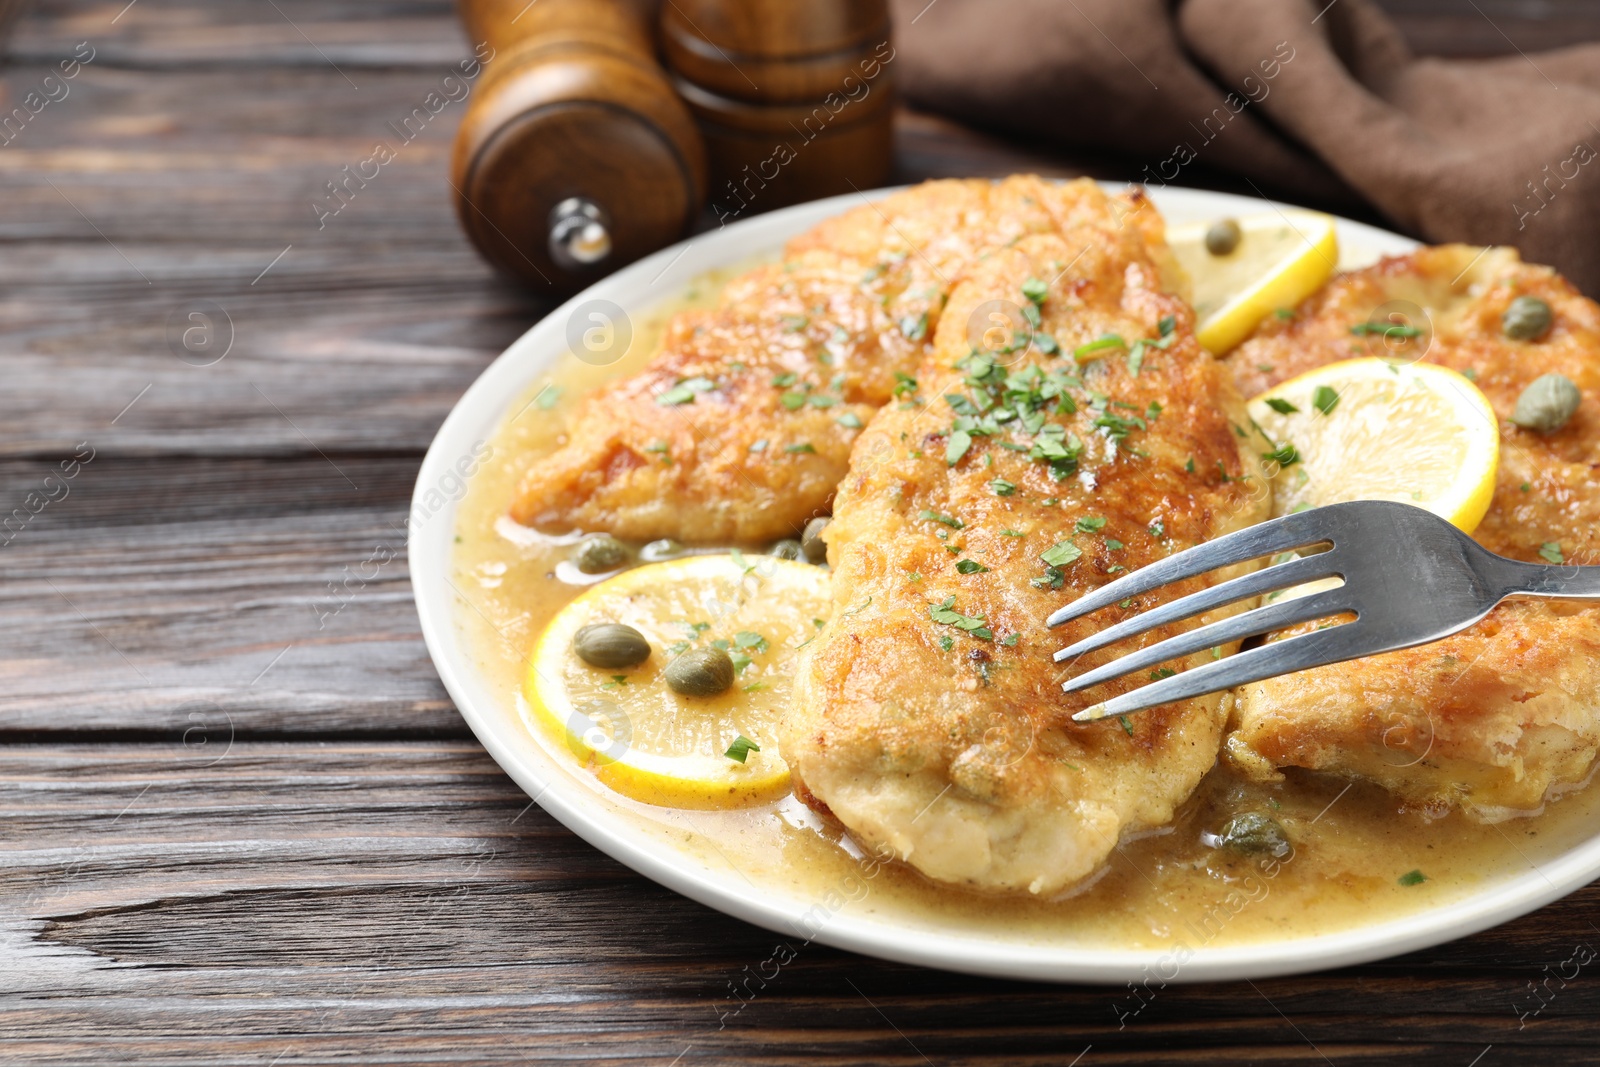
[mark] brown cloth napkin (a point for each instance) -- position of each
(1307, 100)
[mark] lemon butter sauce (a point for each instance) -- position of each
(1353, 859)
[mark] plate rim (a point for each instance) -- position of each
(479, 412)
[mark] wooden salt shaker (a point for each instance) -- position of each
(575, 155)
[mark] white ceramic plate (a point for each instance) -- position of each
(646, 283)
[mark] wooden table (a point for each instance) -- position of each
(242, 822)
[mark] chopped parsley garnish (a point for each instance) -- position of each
(758, 446)
(1164, 672)
(1188, 464)
(850, 420)
(821, 400)
(804, 447)
(794, 401)
(1158, 529)
(1010, 640)
(784, 380)
(946, 642)
(741, 748)
(547, 397)
(1285, 313)
(1385, 330)
(946, 614)
(1091, 523)
(1012, 533)
(1412, 878)
(1035, 290)
(1127, 727)
(1087, 350)
(1550, 552)
(915, 327)
(1282, 406)
(1061, 553)
(948, 520)
(904, 384)
(960, 442)
(1002, 487)
(970, 566)
(1018, 404)
(1113, 544)
(684, 391)
(1117, 427)
(1284, 455)
(1047, 344)
(751, 640)
(1166, 324)
(1324, 399)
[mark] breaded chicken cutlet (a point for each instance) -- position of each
(739, 429)
(929, 717)
(1494, 719)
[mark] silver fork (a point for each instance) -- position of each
(1409, 577)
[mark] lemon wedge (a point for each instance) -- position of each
(1374, 429)
(639, 736)
(1278, 261)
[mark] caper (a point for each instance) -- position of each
(1527, 319)
(601, 553)
(1252, 832)
(788, 548)
(1547, 403)
(610, 644)
(1223, 237)
(700, 672)
(816, 548)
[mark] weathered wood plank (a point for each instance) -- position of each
(362, 333)
(269, 595)
(401, 902)
(239, 33)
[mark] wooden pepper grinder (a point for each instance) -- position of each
(575, 155)
(793, 97)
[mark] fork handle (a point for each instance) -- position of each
(1560, 581)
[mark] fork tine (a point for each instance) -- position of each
(1263, 539)
(1262, 581)
(1259, 621)
(1297, 653)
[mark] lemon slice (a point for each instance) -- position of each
(1373, 429)
(648, 742)
(1281, 259)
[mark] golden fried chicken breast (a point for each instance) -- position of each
(930, 718)
(1497, 717)
(741, 426)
